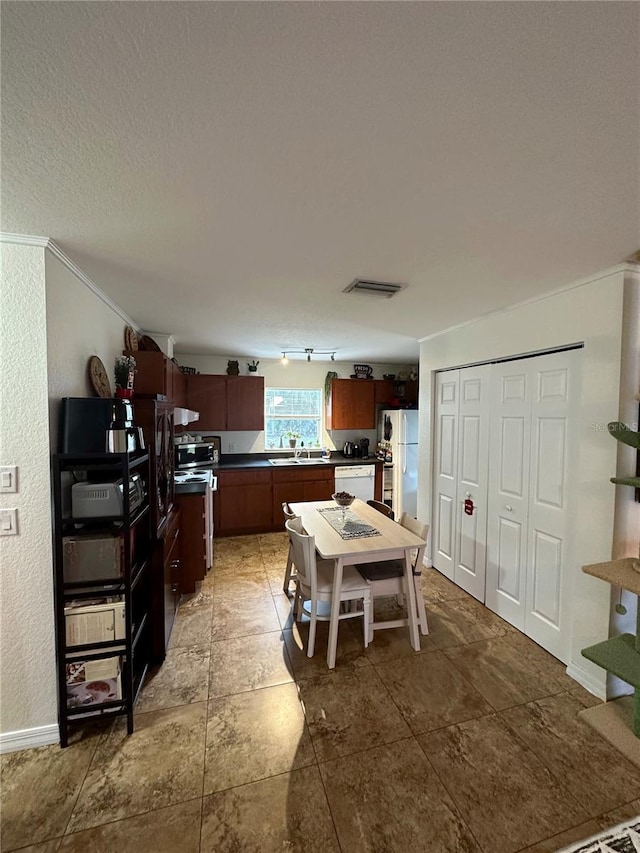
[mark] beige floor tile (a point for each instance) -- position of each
(508, 672)
(229, 545)
(619, 815)
(349, 653)
(565, 839)
(461, 620)
(435, 587)
(389, 800)
(253, 735)
(246, 564)
(287, 812)
(202, 597)
(159, 765)
(430, 692)
(239, 587)
(282, 604)
(191, 628)
(248, 663)
(242, 617)
(589, 768)
(507, 796)
(586, 699)
(39, 788)
(274, 541)
(45, 847)
(175, 829)
(183, 678)
(350, 711)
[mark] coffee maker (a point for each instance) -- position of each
(364, 448)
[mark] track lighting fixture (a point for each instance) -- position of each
(308, 351)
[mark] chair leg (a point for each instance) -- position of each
(366, 607)
(287, 573)
(370, 620)
(422, 613)
(312, 629)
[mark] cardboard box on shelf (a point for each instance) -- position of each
(94, 622)
(93, 682)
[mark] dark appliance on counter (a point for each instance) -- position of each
(196, 455)
(98, 425)
(364, 448)
(349, 450)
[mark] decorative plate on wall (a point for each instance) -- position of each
(130, 338)
(148, 344)
(98, 377)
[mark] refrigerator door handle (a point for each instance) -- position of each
(403, 453)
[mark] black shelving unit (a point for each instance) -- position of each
(132, 585)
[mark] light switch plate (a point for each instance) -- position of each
(8, 522)
(8, 478)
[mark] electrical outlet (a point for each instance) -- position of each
(232, 447)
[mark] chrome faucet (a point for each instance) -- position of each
(300, 450)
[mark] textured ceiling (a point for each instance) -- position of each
(224, 170)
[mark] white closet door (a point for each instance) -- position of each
(445, 472)
(554, 393)
(473, 463)
(509, 452)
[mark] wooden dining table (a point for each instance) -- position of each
(394, 543)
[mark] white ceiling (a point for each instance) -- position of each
(224, 170)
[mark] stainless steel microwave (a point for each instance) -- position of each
(197, 454)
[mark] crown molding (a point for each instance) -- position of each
(620, 268)
(74, 269)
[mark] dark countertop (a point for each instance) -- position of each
(261, 460)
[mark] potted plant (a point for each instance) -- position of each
(293, 437)
(124, 370)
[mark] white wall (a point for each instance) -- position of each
(51, 323)
(79, 324)
(591, 313)
(297, 373)
(27, 668)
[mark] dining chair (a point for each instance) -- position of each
(314, 584)
(386, 577)
(383, 508)
(288, 515)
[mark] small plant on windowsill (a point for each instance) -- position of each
(293, 437)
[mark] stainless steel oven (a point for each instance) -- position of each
(195, 455)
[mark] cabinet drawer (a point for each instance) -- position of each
(302, 474)
(244, 478)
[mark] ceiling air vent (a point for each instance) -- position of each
(374, 288)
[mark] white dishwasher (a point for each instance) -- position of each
(358, 480)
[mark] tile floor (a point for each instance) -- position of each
(242, 743)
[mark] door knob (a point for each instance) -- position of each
(509, 508)
(467, 494)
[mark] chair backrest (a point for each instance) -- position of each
(288, 512)
(418, 528)
(383, 508)
(304, 554)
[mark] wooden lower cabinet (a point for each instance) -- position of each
(250, 500)
(193, 563)
(165, 593)
(243, 502)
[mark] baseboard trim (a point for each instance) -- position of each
(585, 680)
(28, 738)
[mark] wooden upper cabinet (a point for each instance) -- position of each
(227, 402)
(207, 394)
(384, 391)
(245, 402)
(351, 404)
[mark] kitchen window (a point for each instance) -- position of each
(292, 410)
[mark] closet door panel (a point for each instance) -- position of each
(445, 472)
(473, 461)
(554, 379)
(508, 491)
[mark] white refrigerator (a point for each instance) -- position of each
(399, 427)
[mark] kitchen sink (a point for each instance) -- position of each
(291, 461)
